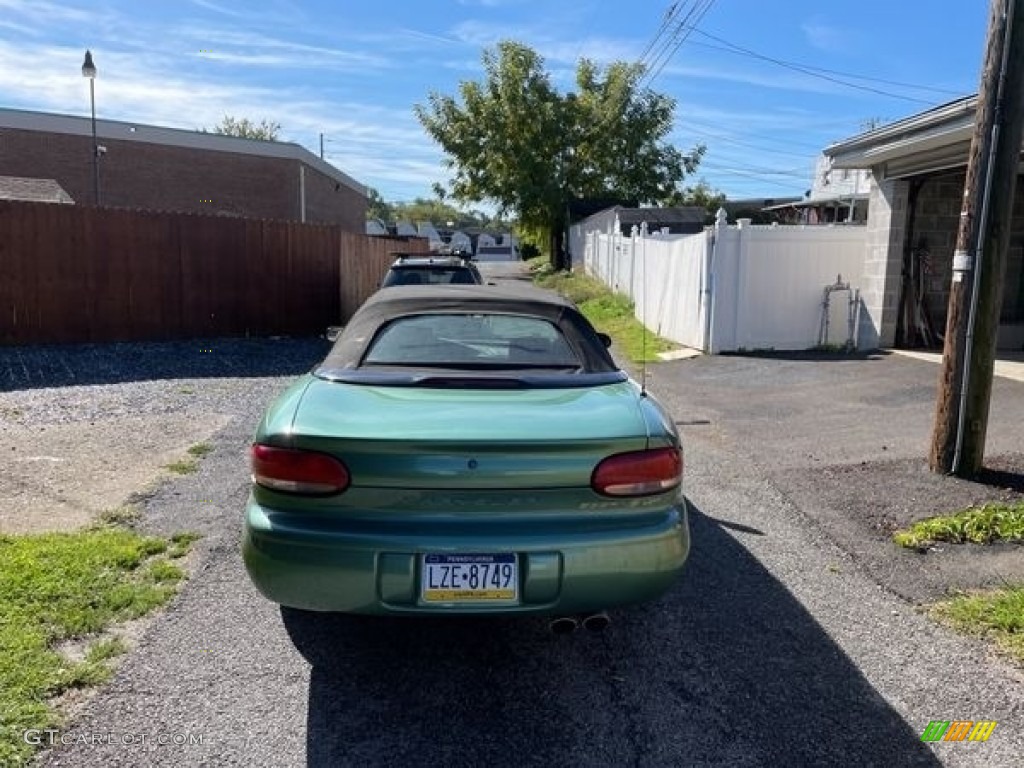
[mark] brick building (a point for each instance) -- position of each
(167, 169)
(918, 169)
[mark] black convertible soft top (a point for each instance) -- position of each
(344, 360)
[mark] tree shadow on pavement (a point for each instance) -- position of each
(35, 367)
(726, 669)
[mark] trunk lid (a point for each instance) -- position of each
(435, 438)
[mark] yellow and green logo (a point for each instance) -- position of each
(958, 730)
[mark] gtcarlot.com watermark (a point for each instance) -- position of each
(52, 738)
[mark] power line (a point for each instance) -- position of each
(666, 20)
(662, 43)
(741, 167)
(732, 48)
(699, 129)
(683, 30)
(759, 179)
(811, 72)
(616, 112)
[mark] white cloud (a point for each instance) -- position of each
(377, 145)
(785, 82)
(826, 37)
(21, 29)
(45, 13)
(216, 8)
(254, 48)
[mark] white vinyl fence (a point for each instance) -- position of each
(736, 287)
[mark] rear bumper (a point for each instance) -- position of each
(379, 573)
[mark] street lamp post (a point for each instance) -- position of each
(89, 71)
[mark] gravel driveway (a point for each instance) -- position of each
(88, 428)
(777, 647)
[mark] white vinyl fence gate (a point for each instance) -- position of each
(735, 287)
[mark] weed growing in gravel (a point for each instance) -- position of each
(191, 464)
(609, 312)
(183, 466)
(180, 544)
(58, 586)
(997, 614)
(980, 525)
(123, 515)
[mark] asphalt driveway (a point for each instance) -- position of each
(845, 440)
(778, 647)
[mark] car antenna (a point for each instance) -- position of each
(643, 312)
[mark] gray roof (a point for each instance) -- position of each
(660, 216)
(172, 137)
(933, 140)
(35, 190)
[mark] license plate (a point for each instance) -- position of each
(468, 578)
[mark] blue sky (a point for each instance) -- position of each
(354, 70)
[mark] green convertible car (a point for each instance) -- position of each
(466, 449)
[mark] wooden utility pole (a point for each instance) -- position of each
(979, 262)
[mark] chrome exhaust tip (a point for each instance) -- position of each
(596, 622)
(563, 625)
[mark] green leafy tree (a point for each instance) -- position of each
(702, 195)
(377, 207)
(436, 211)
(244, 128)
(514, 140)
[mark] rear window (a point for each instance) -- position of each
(429, 276)
(471, 341)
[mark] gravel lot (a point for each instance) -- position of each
(88, 428)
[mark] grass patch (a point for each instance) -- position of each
(609, 312)
(183, 466)
(996, 615)
(980, 525)
(124, 515)
(180, 544)
(57, 587)
(190, 464)
(103, 650)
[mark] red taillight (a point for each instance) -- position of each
(298, 471)
(639, 473)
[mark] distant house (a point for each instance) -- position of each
(377, 227)
(763, 210)
(33, 190)
(406, 229)
(837, 196)
(428, 231)
(156, 168)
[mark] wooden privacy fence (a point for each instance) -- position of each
(81, 274)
